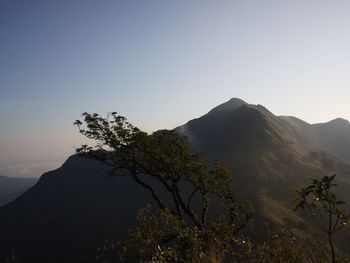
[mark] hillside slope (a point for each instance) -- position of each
(68, 213)
(270, 157)
(71, 210)
(12, 187)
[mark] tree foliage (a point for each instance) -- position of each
(164, 237)
(322, 204)
(181, 227)
(286, 247)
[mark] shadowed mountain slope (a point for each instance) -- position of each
(271, 156)
(333, 136)
(71, 210)
(11, 187)
(68, 213)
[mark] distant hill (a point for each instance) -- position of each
(68, 213)
(12, 187)
(71, 210)
(333, 136)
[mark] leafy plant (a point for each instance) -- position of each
(181, 227)
(322, 204)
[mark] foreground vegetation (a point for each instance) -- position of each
(196, 217)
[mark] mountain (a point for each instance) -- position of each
(336, 137)
(11, 187)
(71, 210)
(68, 213)
(271, 156)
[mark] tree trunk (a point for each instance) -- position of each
(332, 247)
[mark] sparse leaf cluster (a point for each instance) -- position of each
(164, 157)
(323, 205)
(179, 230)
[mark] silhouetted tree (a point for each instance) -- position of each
(165, 157)
(322, 204)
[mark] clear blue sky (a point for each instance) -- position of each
(161, 63)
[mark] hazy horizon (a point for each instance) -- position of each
(160, 64)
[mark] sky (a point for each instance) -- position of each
(161, 63)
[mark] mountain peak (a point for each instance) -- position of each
(230, 105)
(236, 100)
(339, 122)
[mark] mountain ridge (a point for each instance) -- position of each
(72, 209)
